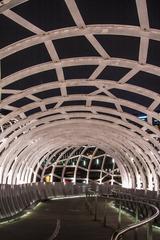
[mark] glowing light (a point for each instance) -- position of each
(48, 178)
(143, 117)
(97, 161)
(68, 197)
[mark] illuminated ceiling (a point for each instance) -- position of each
(77, 72)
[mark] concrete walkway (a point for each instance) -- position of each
(76, 223)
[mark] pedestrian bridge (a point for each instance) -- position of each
(105, 205)
(80, 117)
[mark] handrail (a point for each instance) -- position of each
(134, 195)
(117, 234)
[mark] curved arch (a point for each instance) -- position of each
(133, 31)
(66, 144)
(23, 134)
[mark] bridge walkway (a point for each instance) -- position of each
(76, 223)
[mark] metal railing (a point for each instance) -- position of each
(118, 234)
(91, 193)
(14, 199)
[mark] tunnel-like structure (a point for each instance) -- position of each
(83, 164)
(78, 75)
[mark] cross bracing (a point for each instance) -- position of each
(80, 89)
(79, 164)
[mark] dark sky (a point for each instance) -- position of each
(49, 15)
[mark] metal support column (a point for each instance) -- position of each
(136, 216)
(0, 83)
(120, 214)
(105, 211)
(136, 220)
(96, 207)
(149, 231)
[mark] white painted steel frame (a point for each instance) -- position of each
(26, 141)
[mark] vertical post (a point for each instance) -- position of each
(121, 237)
(1, 93)
(136, 216)
(120, 214)
(96, 207)
(149, 231)
(105, 219)
(136, 220)
(0, 83)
